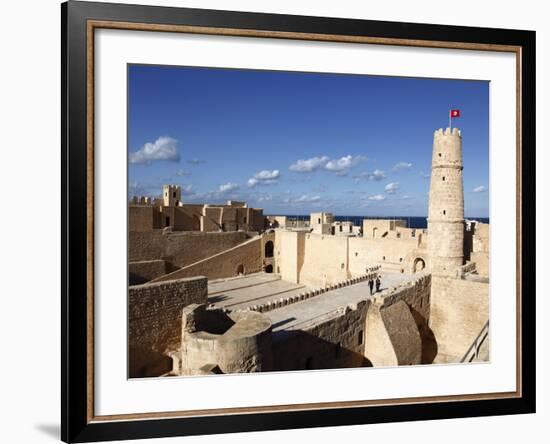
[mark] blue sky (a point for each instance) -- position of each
(294, 143)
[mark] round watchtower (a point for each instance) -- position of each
(446, 205)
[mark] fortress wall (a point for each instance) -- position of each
(334, 341)
(224, 264)
(459, 310)
(142, 217)
(480, 248)
(144, 271)
(325, 260)
(154, 322)
(388, 253)
(179, 249)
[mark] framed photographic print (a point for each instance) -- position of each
(276, 221)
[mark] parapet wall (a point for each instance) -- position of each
(336, 340)
(154, 322)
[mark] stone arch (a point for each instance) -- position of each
(419, 265)
(196, 223)
(269, 249)
(240, 269)
(374, 231)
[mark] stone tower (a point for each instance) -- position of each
(446, 205)
(171, 195)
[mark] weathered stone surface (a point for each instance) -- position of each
(154, 320)
(403, 333)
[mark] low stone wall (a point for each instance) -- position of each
(459, 310)
(144, 271)
(154, 322)
(337, 340)
(245, 258)
(282, 302)
(238, 342)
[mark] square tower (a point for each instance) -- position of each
(171, 195)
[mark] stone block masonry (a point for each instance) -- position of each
(243, 259)
(459, 311)
(154, 322)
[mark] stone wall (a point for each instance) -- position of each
(459, 310)
(144, 271)
(181, 248)
(325, 260)
(334, 341)
(142, 217)
(392, 254)
(244, 258)
(154, 322)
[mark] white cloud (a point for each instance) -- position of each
(264, 177)
(377, 197)
(344, 163)
(183, 173)
(425, 175)
(195, 161)
(392, 187)
(304, 198)
(308, 165)
(339, 166)
(376, 175)
(402, 166)
(479, 189)
(227, 187)
(164, 148)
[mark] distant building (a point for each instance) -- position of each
(170, 211)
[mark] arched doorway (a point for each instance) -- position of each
(374, 231)
(269, 249)
(196, 223)
(419, 265)
(240, 269)
(269, 268)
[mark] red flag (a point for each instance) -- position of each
(454, 113)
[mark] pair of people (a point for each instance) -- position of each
(372, 284)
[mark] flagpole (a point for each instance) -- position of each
(450, 119)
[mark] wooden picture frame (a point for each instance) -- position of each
(79, 22)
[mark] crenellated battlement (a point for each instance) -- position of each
(454, 132)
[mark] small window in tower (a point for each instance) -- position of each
(444, 212)
(439, 154)
(174, 194)
(245, 219)
(400, 259)
(443, 178)
(360, 337)
(340, 227)
(383, 258)
(319, 220)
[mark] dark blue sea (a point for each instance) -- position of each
(412, 221)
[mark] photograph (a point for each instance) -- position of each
(285, 221)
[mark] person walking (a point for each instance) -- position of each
(371, 285)
(377, 283)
